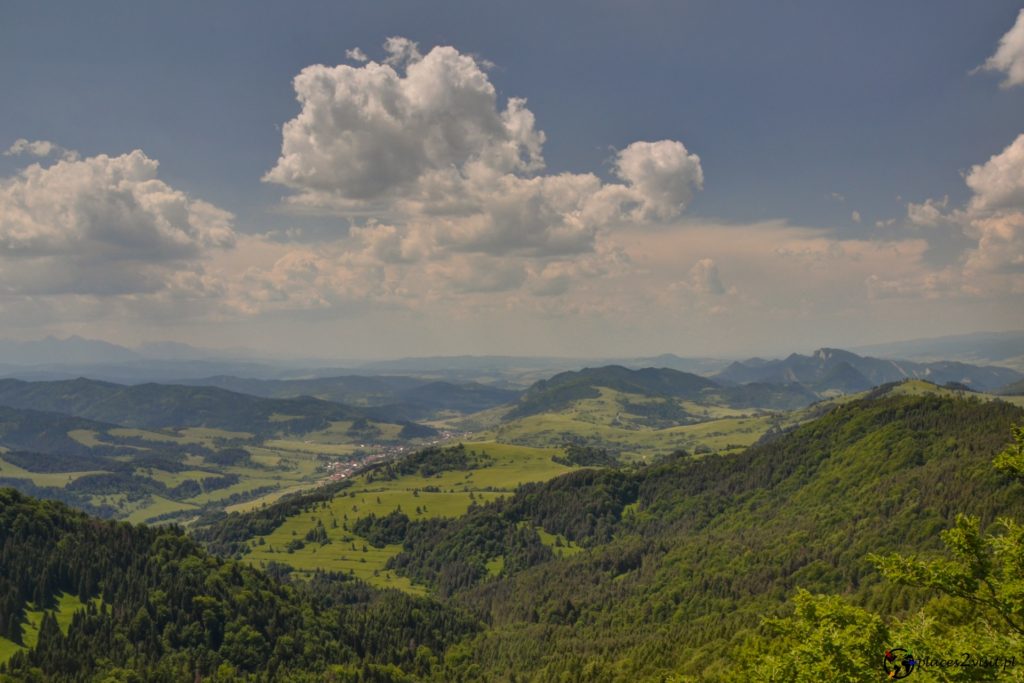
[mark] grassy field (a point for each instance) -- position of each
(602, 421)
(58, 479)
(86, 437)
(67, 605)
(266, 499)
(310, 447)
(510, 466)
(553, 429)
(919, 388)
(156, 505)
(208, 435)
(147, 435)
(606, 421)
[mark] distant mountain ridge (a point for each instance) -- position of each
(836, 370)
(562, 390)
(74, 349)
(980, 348)
(155, 406)
(411, 397)
(566, 387)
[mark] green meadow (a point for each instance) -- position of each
(67, 605)
(446, 494)
(553, 429)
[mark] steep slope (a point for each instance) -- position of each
(684, 556)
(154, 606)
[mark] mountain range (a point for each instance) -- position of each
(837, 371)
(982, 348)
(411, 398)
(157, 406)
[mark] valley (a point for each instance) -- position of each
(577, 505)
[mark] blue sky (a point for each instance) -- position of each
(818, 126)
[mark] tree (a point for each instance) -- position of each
(978, 611)
(826, 639)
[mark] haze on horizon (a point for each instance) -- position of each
(576, 180)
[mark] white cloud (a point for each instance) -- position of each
(39, 148)
(855, 216)
(106, 226)
(478, 274)
(420, 156)
(1009, 56)
(995, 218)
(991, 263)
(931, 213)
(1000, 248)
(704, 278)
(661, 176)
(999, 182)
(356, 55)
(401, 51)
(369, 133)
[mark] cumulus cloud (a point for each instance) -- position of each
(704, 278)
(661, 176)
(991, 223)
(104, 225)
(39, 148)
(1000, 246)
(931, 213)
(995, 216)
(1009, 56)
(371, 132)
(356, 55)
(425, 162)
(999, 182)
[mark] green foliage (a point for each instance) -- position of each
(986, 570)
(381, 531)
(974, 631)
(1011, 459)
(155, 406)
(585, 456)
(226, 534)
(710, 569)
(563, 389)
(826, 639)
(431, 461)
(167, 611)
(697, 552)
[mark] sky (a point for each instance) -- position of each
(382, 179)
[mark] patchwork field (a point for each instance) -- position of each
(446, 494)
(635, 444)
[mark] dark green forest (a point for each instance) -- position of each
(871, 523)
(160, 608)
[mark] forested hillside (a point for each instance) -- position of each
(155, 406)
(662, 572)
(410, 397)
(684, 557)
(158, 608)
